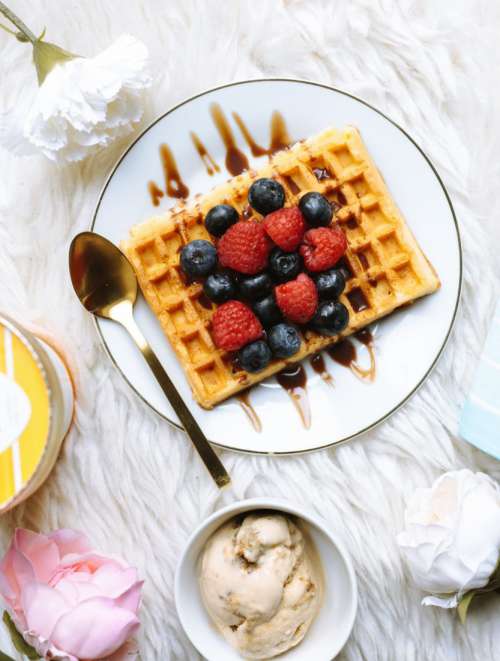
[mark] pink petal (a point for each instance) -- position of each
(132, 598)
(76, 571)
(6, 589)
(22, 569)
(86, 590)
(68, 590)
(128, 652)
(114, 580)
(94, 629)
(80, 576)
(70, 541)
(43, 607)
(89, 561)
(40, 550)
(76, 591)
(9, 587)
(16, 570)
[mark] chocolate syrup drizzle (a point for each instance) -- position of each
(174, 185)
(207, 160)
(318, 364)
(155, 193)
(236, 161)
(345, 353)
(294, 380)
(279, 137)
(244, 401)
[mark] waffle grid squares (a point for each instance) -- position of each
(384, 265)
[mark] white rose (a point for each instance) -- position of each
(452, 535)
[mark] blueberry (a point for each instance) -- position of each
(316, 209)
(330, 284)
(220, 218)
(330, 318)
(219, 287)
(284, 340)
(198, 258)
(266, 195)
(268, 311)
(255, 287)
(284, 265)
(254, 357)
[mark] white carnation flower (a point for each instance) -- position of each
(86, 103)
(82, 104)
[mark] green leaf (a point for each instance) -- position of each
(4, 657)
(493, 584)
(18, 641)
(464, 604)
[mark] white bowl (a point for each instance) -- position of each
(331, 627)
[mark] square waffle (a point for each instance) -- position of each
(384, 265)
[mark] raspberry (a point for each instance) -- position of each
(322, 247)
(286, 227)
(297, 299)
(244, 247)
(234, 325)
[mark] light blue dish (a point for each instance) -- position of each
(480, 421)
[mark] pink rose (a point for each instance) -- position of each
(68, 601)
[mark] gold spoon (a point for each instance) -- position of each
(106, 285)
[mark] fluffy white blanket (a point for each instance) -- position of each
(125, 476)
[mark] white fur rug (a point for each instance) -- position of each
(129, 480)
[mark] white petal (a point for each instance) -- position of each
(85, 104)
(442, 602)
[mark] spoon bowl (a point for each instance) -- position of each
(106, 284)
(101, 275)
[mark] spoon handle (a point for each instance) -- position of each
(198, 438)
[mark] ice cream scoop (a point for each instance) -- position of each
(260, 583)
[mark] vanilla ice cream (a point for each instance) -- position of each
(260, 584)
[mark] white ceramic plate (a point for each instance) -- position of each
(407, 344)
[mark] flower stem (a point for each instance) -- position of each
(4, 27)
(22, 27)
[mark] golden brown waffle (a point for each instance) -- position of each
(386, 267)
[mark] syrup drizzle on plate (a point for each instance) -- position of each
(207, 160)
(155, 193)
(345, 353)
(244, 401)
(236, 161)
(294, 380)
(318, 364)
(279, 137)
(174, 185)
(256, 149)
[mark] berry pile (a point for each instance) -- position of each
(268, 276)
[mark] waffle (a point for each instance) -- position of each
(384, 265)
